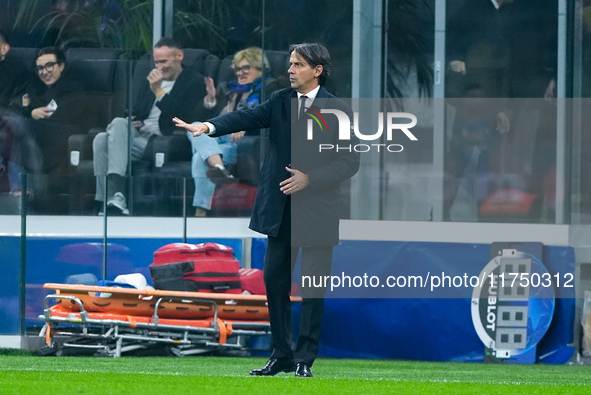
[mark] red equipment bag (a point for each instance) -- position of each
(233, 200)
(205, 267)
(252, 281)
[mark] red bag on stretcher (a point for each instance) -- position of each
(252, 281)
(205, 267)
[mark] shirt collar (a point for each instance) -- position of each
(310, 95)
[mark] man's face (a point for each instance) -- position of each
(302, 77)
(168, 60)
(48, 69)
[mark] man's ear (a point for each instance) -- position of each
(180, 54)
(4, 48)
(318, 70)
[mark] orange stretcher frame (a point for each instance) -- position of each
(113, 321)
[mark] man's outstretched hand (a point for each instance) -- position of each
(196, 129)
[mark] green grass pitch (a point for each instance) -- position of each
(22, 373)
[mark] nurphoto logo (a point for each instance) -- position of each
(346, 128)
(315, 117)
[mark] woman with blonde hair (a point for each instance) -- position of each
(212, 155)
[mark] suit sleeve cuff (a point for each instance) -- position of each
(211, 128)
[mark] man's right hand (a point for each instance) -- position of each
(457, 66)
(137, 124)
(197, 129)
(41, 113)
(155, 79)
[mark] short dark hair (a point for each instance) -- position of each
(167, 42)
(315, 54)
(4, 38)
(60, 56)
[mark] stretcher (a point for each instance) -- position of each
(112, 321)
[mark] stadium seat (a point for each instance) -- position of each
(104, 73)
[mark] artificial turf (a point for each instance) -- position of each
(21, 373)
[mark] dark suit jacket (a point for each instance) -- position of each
(182, 101)
(13, 81)
(315, 210)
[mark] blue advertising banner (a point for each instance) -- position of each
(420, 327)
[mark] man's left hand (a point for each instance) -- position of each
(297, 182)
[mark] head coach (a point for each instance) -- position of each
(297, 204)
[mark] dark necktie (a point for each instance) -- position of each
(302, 106)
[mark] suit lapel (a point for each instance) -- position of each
(321, 99)
(287, 107)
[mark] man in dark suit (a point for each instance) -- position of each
(298, 198)
(17, 148)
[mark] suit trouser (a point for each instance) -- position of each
(110, 152)
(279, 263)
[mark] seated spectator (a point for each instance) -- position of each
(212, 155)
(54, 103)
(17, 151)
(13, 79)
(167, 91)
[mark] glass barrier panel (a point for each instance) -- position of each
(499, 157)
